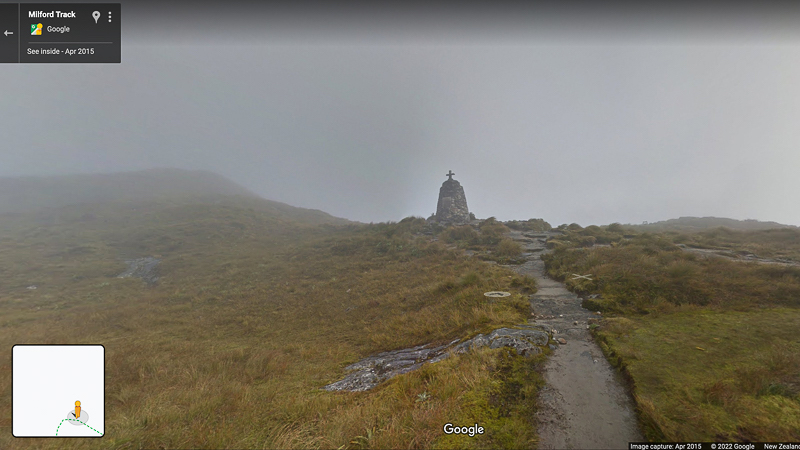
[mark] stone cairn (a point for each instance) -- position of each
(452, 206)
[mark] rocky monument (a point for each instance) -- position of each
(452, 206)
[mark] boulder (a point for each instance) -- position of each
(368, 372)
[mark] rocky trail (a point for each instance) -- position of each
(585, 403)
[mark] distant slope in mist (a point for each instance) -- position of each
(706, 223)
(55, 193)
(29, 193)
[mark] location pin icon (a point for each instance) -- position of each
(96, 16)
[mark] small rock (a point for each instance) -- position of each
(560, 315)
(31, 287)
(562, 341)
(595, 361)
(575, 323)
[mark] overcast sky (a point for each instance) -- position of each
(573, 115)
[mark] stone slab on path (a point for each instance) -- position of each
(367, 373)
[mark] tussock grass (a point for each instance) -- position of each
(487, 239)
(254, 312)
(709, 345)
(529, 225)
(507, 248)
(649, 273)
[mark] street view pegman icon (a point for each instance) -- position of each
(77, 417)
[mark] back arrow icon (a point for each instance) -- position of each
(8, 32)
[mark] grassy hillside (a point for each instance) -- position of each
(783, 243)
(710, 345)
(257, 307)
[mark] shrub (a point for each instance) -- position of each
(591, 230)
(556, 243)
(463, 233)
(587, 241)
(471, 279)
(529, 225)
(599, 304)
(492, 231)
(521, 304)
(615, 228)
(508, 249)
(524, 283)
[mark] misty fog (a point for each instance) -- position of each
(628, 118)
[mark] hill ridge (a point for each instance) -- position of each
(688, 223)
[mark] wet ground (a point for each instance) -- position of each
(585, 403)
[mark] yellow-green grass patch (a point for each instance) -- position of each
(254, 312)
(703, 375)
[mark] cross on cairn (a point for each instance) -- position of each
(450, 175)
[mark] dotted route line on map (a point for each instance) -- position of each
(74, 420)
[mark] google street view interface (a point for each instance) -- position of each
(399, 225)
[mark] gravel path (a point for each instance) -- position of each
(585, 404)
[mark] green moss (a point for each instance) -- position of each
(505, 405)
(729, 370)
